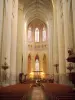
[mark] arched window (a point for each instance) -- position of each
(37, 63)
(36, 35)
(29, 34)
(44, 35)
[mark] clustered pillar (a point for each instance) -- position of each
(8, 38)
(63, 34)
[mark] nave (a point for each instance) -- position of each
(37, 94)
(37, 41)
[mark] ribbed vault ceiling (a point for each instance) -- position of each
(37, 9)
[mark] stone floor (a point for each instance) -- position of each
(37, 93)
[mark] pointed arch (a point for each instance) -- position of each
(44, 63)
(37, 67)
(29, 63)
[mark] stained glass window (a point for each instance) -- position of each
(44, 34)
(29, 34)
(36, 35)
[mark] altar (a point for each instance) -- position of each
(37, 74)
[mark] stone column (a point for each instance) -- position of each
(13, 41)
(25, 49)
(6, 35)
(8, 43)
(19, 59)
(50, 46)
(73, 12)
(68, 35)
(61, 45)
(70, 15)
(67, 30)
(1, 30)
(1, 24)
(55, 43)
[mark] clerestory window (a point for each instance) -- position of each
(36, 35)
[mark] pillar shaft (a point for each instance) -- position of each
(50, 43)
(14, 41)
(70, 25)
(55, 39)
(1, 24)
(73, 12)
(67, 29)
(19, 61)
(6, 35)
(25, 49)
(1, 30)
(61, 45)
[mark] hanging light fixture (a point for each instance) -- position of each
(5, 66)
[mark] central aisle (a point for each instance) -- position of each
(37, 93)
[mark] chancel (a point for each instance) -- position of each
(37, 49)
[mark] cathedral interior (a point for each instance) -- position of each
(37, 49)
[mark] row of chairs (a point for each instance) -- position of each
(58, 92)
(11, 96)
(15, 92)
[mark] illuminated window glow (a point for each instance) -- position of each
(29, 34)
(37, 65)
(44, 34)
(36, 35)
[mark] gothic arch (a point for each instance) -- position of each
(37, 63)
(36, 57)
(44, 63)
(29, 63)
